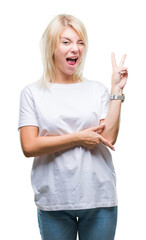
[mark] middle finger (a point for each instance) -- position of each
(122, 60)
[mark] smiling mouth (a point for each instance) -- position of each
(72, 61)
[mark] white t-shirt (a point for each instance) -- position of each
(75, 178)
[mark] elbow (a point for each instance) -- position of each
(27, 154)
(113, 141)
(27, 151)
(111, 137)
(114, 137)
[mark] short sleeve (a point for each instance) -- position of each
(27, 113)
(104, 102)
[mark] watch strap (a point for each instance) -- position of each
(117, 97)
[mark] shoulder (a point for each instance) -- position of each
(32, 89)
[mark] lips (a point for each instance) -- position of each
(72, 61)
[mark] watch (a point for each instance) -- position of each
(117, 97)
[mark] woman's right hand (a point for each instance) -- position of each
(90, 137)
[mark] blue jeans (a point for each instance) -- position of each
(92, 224)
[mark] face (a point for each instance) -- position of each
(68, 54)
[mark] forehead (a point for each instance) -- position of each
(69, 32)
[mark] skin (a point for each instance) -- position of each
(117, 85)
(71, 45)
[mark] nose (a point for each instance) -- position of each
(74, 48)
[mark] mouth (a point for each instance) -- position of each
(72, 61)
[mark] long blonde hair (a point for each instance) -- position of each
(48, 43)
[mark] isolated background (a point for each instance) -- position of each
(115, 25)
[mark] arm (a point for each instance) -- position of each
(34, 145)
(112, 120)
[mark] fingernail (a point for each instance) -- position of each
(102, 124)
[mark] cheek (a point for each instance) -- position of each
(59, 52)
(82, 52)
(82, 49)
(57, 57)
(63, 50)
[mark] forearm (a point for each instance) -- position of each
(50, 144)
(112, 121)
(118, 82)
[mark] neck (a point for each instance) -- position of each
(64, 78)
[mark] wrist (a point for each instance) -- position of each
(78, 138)
(116, 91)
(117, 97)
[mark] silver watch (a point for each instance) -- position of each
(117, 97)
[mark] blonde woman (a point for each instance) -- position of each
(67, 123)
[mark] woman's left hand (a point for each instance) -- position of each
(119, 74)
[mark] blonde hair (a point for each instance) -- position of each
(48, 43)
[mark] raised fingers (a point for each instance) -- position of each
(113, 59)
(122, 60)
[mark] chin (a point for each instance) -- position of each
(71, 72)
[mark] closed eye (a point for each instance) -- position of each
(81, 43)
(65, 42)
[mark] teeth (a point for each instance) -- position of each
(73, 58)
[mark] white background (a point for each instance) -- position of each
(115, 25)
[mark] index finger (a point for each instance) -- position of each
(105, 142)
(122, 60)
(113, 59)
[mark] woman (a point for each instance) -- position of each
(68, 123)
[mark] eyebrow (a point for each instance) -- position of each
(65, 38)
(70, 39)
